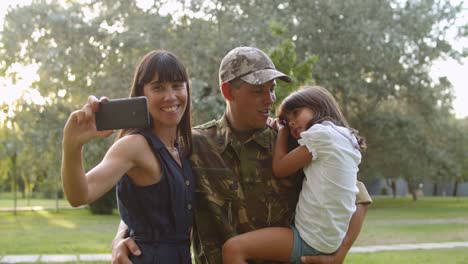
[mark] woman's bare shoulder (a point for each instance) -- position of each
(132, 145)
(146, 167)
(133, 139)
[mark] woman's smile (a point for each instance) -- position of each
(170, 108)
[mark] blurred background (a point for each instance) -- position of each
(398, 69)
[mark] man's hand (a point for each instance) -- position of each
(353, 231)
(122, 249)
(122, 246)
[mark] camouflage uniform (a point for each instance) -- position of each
(236, 191)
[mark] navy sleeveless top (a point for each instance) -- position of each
(160, 216)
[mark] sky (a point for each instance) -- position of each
(456, 72)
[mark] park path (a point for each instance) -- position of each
(39, 208)
(107, 257)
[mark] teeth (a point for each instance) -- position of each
(170, 109)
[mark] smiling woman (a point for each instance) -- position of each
(149, 166)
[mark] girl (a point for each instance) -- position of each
(150, 166)
(329, 154)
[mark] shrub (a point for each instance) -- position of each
(383, 191)
(105, 204)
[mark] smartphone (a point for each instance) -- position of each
(123, 113)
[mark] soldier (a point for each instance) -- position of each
(236, 191)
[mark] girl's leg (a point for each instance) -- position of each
(273, 243)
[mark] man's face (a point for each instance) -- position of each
(251, 105)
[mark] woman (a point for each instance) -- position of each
(150, 166)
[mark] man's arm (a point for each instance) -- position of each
(353, 231)
(122, 246)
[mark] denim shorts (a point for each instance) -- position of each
(301, 248)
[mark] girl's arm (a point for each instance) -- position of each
(285, 163)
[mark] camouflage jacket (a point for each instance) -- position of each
(236, 191)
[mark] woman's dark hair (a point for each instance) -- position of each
(322, 103)
(169, 69)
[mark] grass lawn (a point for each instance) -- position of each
(385, 208)
(6, 201)
(401, 221)
(47, 232)
(449, 256)
(389, 221)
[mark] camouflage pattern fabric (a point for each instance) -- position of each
(236, 191)
(251, 65)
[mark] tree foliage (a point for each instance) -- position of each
(373, 55)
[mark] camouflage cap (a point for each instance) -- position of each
(251, 65)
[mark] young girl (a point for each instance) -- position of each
(329, 154)
(150, 166)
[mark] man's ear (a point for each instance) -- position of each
(226, 89)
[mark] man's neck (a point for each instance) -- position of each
(240, 134)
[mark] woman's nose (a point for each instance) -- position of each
(169, 94)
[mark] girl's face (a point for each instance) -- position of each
(298, 119)
(166, 101)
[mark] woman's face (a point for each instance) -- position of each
(167, 101)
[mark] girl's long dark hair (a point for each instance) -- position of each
(322, 103)
(169, 69)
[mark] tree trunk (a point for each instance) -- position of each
(412, 190)
(455, 189)
(57, 193)
(434, 189)
(14, 171)
(393, 186)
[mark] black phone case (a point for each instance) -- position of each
(123, 113)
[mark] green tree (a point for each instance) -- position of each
(285, 57)
(373, 55)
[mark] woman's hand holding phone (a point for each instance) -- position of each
(80, 127)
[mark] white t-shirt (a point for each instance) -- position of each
(327, 200)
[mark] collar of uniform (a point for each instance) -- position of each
(225, 135)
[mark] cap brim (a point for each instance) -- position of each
(265, 75)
